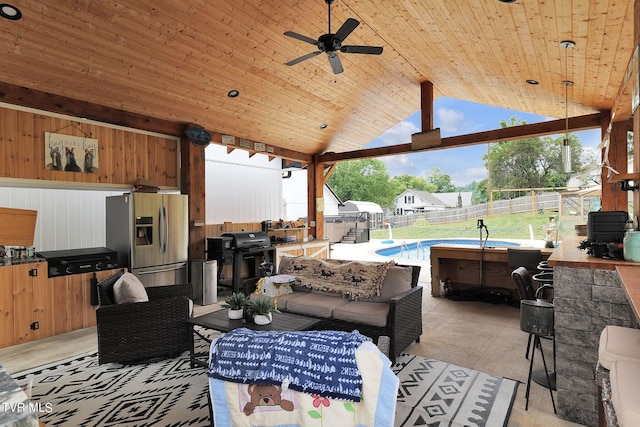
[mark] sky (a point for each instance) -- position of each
(454, 117)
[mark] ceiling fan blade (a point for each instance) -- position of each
(334, 60)
(302, 58)
(301, 37)
(368, 50)
(349, 25)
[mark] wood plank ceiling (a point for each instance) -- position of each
(176, 60)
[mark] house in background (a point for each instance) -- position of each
(412, 201)
(456, 199)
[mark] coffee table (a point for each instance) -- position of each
(219, 321)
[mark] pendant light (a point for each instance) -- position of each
(566, 146)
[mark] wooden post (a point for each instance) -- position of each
(192, 182)
(426, 105)
(613, 198)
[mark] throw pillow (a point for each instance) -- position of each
(397, 280)
(128, 288)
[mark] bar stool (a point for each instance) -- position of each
(536, 318)
(545, 277)
(617, 343)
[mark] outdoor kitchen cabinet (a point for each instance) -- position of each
(33, 306)
(26, 304)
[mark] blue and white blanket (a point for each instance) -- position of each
(315, 362)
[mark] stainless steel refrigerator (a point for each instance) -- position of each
(150, 232)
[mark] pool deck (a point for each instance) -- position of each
(367, 252)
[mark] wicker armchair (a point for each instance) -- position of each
(138, 332)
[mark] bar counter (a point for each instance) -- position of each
(589, 294)
(630, 276)
(470, 266)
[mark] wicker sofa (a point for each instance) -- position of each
(139, 331)
(394, 310)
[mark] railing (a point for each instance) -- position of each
(420, 248)
(404, 247)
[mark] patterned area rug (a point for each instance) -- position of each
(79, 392)
(434, 393)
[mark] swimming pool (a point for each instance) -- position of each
(420, 250)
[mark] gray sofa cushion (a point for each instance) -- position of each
(370, 313)
(314, 304)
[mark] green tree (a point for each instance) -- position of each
(363, 180)
(530, 162)
(441, 181)
(410, 182)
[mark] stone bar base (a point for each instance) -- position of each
(586, 300)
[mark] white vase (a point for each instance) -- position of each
(262, 319)
(235, 313)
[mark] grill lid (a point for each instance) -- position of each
(248, 239)
(244, 240)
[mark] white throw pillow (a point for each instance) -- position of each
(128, 288)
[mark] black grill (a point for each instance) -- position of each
(237, 247)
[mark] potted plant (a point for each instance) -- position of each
(236, 303)
(261, 309)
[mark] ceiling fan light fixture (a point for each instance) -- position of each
(8, 11)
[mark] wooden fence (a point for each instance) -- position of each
(531, 203)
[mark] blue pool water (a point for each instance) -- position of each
(420, 250)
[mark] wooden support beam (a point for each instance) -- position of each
(24, 97)
(192, 182)
(426, 105)
(590, 121)
(613, 198)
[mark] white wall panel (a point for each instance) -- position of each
(67, 219)
(241, 188)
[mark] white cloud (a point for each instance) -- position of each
(450, 119)
(399, 165)
(399, 134)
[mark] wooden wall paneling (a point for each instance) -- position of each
(6, 307)
(28, 157)
(129, 153)
(22, 303)
(42, 302)
(9, 142)
(61, 323)
(39, 122)
(145, 158)
(169, 148)
(84, 308)
(76, 301)
(155, 157)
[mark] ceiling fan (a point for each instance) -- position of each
(332, 43)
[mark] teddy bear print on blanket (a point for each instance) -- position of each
(353, 279)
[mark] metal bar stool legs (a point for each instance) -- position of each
(538, 344)
(536, 318)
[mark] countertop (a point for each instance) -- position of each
(19, 261)
(630, 277)
(568, 255)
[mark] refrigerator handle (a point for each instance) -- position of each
(163, 229)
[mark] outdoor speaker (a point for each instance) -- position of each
(198, 136)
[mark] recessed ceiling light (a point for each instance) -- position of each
(233, 93)
(323, 126)
(532, 82)
(507, 1)
(8, 11)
